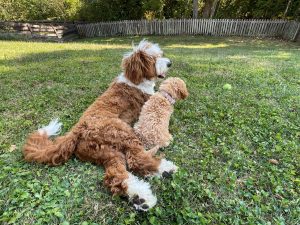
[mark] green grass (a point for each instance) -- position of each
(223, 139)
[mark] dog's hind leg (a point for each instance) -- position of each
(115, 173)
(140, 193)
(138, 159)
(146, 164)
(117, 178)
(122, 182)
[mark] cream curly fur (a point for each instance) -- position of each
(153, 125)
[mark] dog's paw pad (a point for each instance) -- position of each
(141, 204)
(142, 208)
(166, 174)
(137, 201)
(166, 168)
(145, 206)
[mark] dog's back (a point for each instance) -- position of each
(153, 125)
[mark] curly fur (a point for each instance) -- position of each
(153, 125)
(104, 135)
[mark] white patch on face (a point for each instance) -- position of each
(154, 50)
(161, 66)
(147, 86)
(148, 47)
(141, 189)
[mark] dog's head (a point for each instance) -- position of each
(175, 87)
(145, 62)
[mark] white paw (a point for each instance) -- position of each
(166, 168)
(140, 194)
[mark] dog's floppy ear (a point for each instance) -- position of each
(183, 92)
(137, 66)
(181, 89)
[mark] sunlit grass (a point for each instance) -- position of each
(223, 139)
(14, 49)
(200, 46)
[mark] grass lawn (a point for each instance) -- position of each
(223, 139)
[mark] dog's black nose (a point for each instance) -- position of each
(169, 64)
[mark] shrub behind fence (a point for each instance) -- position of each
(212, 27)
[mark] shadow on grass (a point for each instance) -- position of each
(195, 40)
(36, 81)
(57, 55)
(222, 139)
(37, 87)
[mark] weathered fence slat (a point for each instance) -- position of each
(285, 29)
(40, 29)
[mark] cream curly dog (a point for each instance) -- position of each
(153, 125)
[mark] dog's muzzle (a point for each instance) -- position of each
(162, 66)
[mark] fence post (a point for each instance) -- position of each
(297, 32)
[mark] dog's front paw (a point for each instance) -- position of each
(140, 194)
(166, 168)
(168, 142)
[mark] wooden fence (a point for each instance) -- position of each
(288, 30)
(47, 30)
(214, 27)
(291, 31)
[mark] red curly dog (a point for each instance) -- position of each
(104, 134)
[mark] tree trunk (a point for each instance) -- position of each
(210, 8)
(214, 8)
(287, 8)
(207, 8)
(195, 9)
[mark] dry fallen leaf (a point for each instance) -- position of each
(278, 196)
(273, 161)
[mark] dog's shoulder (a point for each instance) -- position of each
(157, 103)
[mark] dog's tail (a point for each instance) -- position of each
(39, 148)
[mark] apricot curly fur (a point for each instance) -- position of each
(103, 134)
(153, 125)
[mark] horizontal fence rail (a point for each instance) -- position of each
(288, 30)
(212, 27)
(49, 30)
